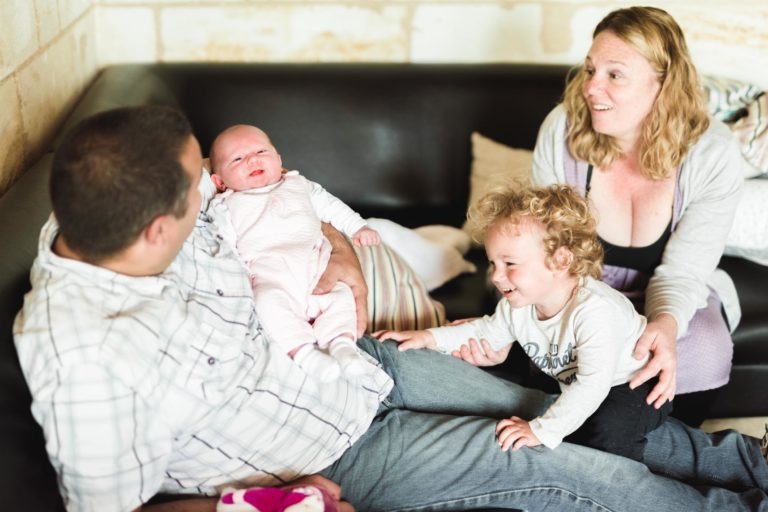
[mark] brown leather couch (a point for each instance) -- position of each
(392, 140)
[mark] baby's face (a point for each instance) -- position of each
(244, 158)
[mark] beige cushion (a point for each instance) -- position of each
(397, 298)
(495, 165)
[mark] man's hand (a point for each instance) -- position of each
(345, 267)
(515, 433)
(482, 354)
(408, 339)
(659, 338)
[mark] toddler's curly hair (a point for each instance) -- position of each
(562, 212)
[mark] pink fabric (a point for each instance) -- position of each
(305, 498)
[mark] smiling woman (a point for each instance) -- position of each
(663, 181)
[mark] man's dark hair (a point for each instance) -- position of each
(114, 173)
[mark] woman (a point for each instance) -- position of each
(663, 179)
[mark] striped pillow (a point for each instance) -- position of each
(727, 98)
(397, 299)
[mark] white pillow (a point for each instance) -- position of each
(749, 235)
(434, 264)
(495, 165)
(446, 236)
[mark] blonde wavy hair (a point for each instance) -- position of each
(562, 212)
(678, 116)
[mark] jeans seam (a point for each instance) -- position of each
(487, 500)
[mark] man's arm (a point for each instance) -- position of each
(209, 504)
(186, 505)
(345, 267)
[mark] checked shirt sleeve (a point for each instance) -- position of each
(107, 445)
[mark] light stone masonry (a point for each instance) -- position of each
(51, 49)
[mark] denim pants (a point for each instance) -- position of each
(432, 447)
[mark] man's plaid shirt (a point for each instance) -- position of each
(167, 383)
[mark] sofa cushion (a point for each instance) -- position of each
(495, 165)
(397, 298)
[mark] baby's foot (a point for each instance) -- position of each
(345, 352)
(317, 363)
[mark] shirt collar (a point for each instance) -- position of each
(146, 285)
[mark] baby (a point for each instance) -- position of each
(273, 219)
(546, 260)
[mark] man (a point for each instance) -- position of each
(149, 371)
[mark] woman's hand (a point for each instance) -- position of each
(659, 338)
(481, 354)
(345, 267)
(515, 433)
(408, 339)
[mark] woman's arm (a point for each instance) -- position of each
(711, 180)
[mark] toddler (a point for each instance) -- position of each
(546, 262)
(273, 219)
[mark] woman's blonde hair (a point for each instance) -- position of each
(562, 212)
(678, 116)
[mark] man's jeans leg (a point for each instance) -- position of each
(411, 461)
(725, 459)
(429, 381)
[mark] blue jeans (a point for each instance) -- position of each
(432, 447)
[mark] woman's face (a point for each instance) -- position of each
(620, 88)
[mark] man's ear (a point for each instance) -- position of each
(220, 186)
(156, 230)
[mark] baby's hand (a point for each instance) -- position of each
(408, 339)
(366, 236)
(516, 433)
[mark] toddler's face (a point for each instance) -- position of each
(519, 263)
(245, 158)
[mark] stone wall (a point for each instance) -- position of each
(50, 50)
(47, 57)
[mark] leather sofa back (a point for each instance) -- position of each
(391, 140)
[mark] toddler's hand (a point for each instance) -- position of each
(515, 433)
(482, 353)
(408, 339)
(366, 236)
